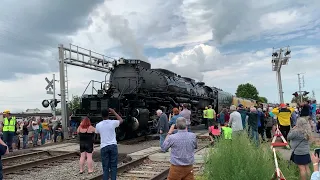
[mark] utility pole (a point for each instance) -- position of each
(300, 91)
(313, 94)
(54, 95)
(64, 114)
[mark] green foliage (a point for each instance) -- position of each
(298, 99)
(263, 99)
(241, 159)
(74, 103)
(247, 91)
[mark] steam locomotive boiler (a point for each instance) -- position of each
(136, 91)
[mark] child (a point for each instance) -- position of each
(227, 131)
(214, 133)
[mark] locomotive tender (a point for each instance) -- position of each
(136, 91)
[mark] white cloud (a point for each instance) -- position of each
(228, 71)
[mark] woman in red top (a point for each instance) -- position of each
(86, 134)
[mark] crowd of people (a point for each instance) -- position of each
(19, 134)
(295, 123)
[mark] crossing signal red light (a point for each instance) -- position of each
(295, 94)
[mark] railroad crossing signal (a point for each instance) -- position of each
(49, 86)
(53, 103)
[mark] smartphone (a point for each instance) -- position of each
(317, 151)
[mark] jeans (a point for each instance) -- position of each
(109, 159)
(255, 137)
(1, 176)
(25, 141)
(261, 131)
(284, 130)
(162, 138)
(268, 132)
(56, 134)
(16, 140)
(314, 118)
(49, 134)
(44, 136)
(35, 137)
(8, 138)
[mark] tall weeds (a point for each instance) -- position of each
(240, 159)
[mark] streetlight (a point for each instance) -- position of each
(279, 58)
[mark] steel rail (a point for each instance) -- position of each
(164, 174)
(10, 158)
(127, 166)
(12, 169)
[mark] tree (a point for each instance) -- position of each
(298, 99)
(263, 99)
(74, 104)
(247, 91)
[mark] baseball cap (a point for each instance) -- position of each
(283, 105)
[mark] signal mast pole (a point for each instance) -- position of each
(279, 58)
(64, 114)
(300, 92)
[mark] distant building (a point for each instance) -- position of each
(33, 110)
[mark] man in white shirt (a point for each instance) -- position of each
(235, 120)
(108, 143)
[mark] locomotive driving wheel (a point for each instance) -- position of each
(139, 133)
(121, 134)
(148, 131)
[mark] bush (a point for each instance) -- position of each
(239, 159)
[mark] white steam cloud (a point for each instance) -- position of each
(119, 30)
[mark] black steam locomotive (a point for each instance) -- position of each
(136, 91)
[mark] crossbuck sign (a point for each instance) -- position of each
(50, 83)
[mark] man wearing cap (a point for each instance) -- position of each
(243, 114)
(9, 127)
(284, 118)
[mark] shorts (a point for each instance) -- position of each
(302, 159)
(214, 136)
(84, 147)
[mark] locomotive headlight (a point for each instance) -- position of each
(106, 86)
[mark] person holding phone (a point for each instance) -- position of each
(315, 160)
(299, 138)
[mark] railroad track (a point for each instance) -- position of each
(134, 140)
(47, 160)
(144, 168)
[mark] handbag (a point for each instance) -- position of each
(292, 154)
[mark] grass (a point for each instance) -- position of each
(240, 159)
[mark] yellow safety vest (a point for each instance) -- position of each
(9, 125)
(205, 114)
(210, 114)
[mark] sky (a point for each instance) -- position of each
(222, 43)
